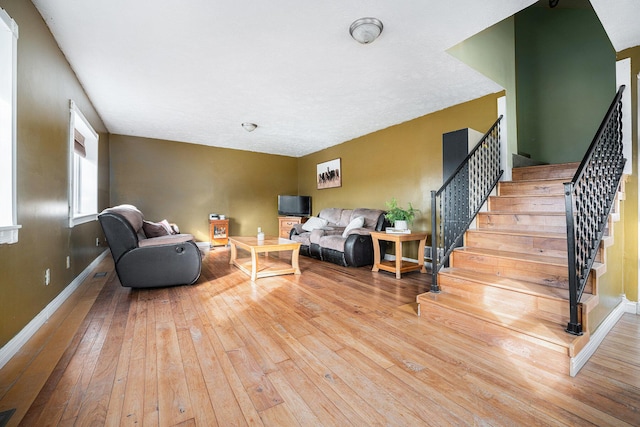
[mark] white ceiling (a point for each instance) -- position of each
(193, 71)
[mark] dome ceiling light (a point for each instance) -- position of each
(365, 30)
(249, 127)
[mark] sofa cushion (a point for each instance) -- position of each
(315, 235)
(332, 215)
(371, 216)
(347, 216)
(313, 223)
(333, 242)
(303, 238)
(357, 222)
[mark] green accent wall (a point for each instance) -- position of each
(492, 53)
(565, 67)
(46, 83)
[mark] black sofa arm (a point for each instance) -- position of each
(163, 265)
(358, 250)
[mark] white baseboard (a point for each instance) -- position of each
(15, 344)
(605, 327)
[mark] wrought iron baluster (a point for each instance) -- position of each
(588, 201)
(458, 201)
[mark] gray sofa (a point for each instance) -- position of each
(341, 236)
(148, 254)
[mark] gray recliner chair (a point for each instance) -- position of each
(154, 260)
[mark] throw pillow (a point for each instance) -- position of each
(157, 229)
(357, 222)
(313, 223)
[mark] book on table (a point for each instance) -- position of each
(391, 230)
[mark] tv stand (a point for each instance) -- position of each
(286, 223)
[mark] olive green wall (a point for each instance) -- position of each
(403, 161)
(492, 53)
(183, 183)
(631, 203)
(565, 68)
(46, 83)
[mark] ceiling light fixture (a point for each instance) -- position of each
(249, 127)
(365, 30)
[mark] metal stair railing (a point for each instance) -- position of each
(589, 198)
(457, 202)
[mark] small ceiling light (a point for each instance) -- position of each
(249, 127)
(365, 30)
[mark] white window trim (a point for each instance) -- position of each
(74, 112)
(9, 233)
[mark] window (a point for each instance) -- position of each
(83, 169)
(8, 71)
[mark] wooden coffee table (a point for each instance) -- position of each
(266, 266)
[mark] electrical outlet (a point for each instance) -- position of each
(97, 241)
(47, 277)
(68, 262)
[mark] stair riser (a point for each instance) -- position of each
(534, 188)
(543, 274)
(527, 204)
(549, 275)
(550, 223)
(508, 300)
(556, 247)
(563, 171)
(545, 355)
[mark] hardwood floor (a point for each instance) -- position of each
(334, 346)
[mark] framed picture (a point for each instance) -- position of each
(329, 174)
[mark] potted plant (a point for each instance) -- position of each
(399, 216)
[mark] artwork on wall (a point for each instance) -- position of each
(329, 174)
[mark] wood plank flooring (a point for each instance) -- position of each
(332, 347)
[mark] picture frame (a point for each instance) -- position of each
(329, 174)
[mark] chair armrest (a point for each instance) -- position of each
(363, 231)
(169, 239)
(297, 229)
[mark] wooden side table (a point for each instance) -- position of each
(218, 232)
(398, 266)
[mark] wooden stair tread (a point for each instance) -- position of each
(598, 267)
(553, 171)
(517, 285)
(519, 256)
(533, 213)
(545, 181)
(525, 324)
(519, 232)
(507, 283)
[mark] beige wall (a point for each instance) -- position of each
(46, 83)
(631, 203)
(183, 183)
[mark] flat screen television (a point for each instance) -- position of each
(294, 205)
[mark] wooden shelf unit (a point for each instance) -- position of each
(218, 232)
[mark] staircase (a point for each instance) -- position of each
(508, 284)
